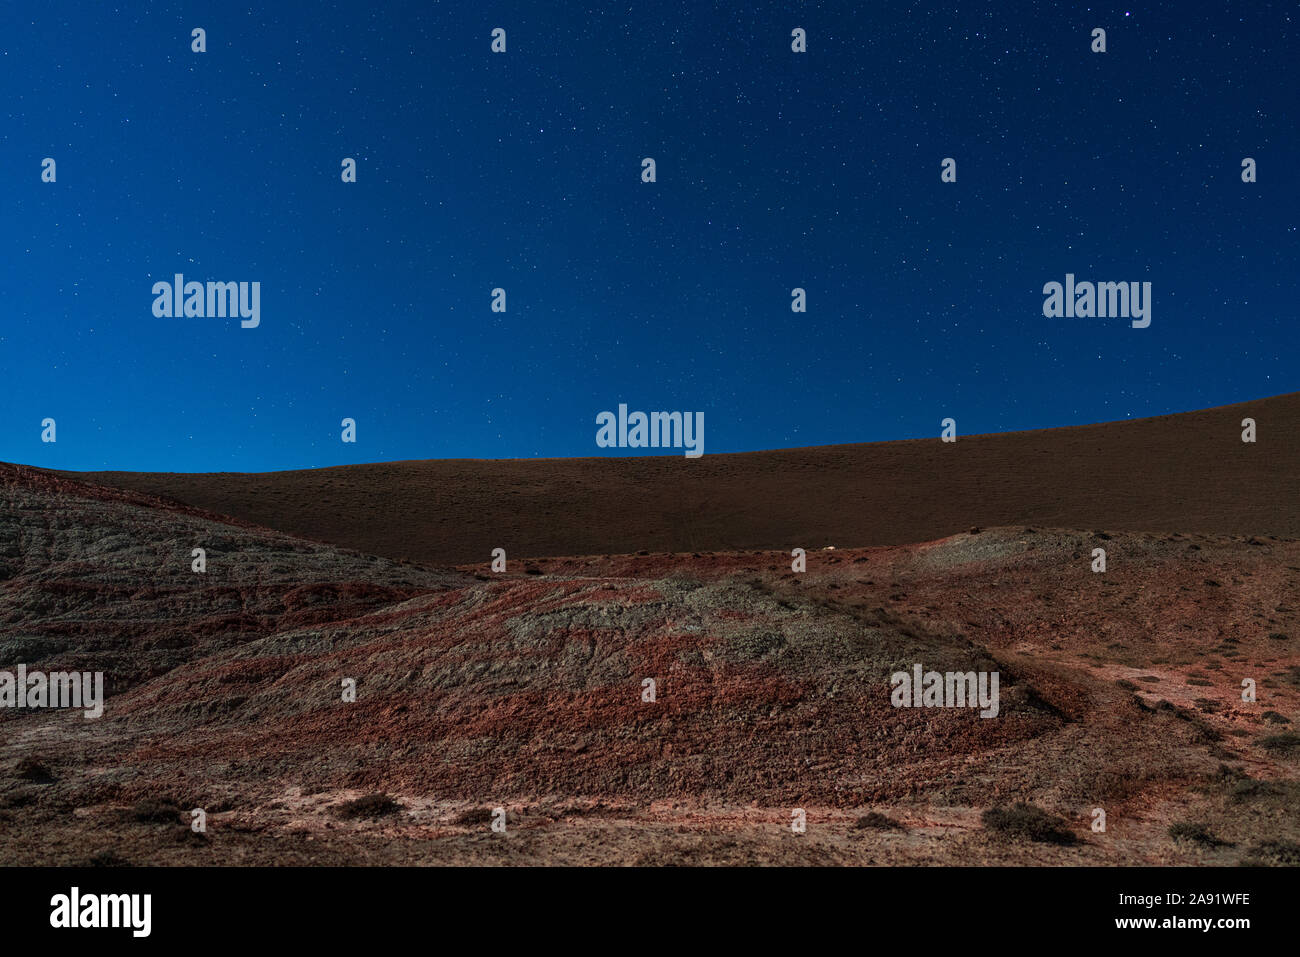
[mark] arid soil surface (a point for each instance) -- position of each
(1120, 690)
(1177, 473)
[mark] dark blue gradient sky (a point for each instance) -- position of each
(522, 170)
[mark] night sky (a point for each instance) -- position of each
(522, 170)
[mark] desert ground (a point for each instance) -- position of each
(1176, 473)
(1121, 691)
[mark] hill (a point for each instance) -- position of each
(1188, 473)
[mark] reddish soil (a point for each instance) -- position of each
(1119, 690)
(1175, 473)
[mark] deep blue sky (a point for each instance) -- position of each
(522, 170)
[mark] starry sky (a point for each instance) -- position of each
(522, 170)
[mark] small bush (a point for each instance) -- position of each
(876, 821)
(369, 807)
(1027, 822)
(1252, 790)
(151, 810)
(29, 769)
(1276, 853)
(477, 817)
(1281, 743)
(1195, 834)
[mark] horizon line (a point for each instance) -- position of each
(661, 454)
